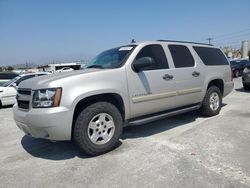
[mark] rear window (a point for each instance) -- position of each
(211, 56)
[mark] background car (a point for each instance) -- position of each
(238, 66)
(246, 78)
(7, 76)
(8, 89)
(65, 69)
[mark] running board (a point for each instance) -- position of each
(162, 116)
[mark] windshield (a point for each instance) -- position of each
(6, 84)
(111, 58)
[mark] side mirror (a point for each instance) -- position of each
(141, 63)
(13, 85)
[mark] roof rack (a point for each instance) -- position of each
(185, 42)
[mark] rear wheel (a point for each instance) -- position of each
(246, 86)
(236, 73)
(212, 102)
(98, 128)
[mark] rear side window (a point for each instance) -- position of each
(156, 52)
(211, 56)
(181, 56)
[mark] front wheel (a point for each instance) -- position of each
(212, 102)
(98, 128)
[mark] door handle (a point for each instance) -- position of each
(168, 77)
(196, 74)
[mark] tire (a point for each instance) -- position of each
(206, 107)
(91, 123)
(246, 87)
(236, 73)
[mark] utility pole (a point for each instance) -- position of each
(209, 40)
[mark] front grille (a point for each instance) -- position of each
(24, 92)
(23, 104)
(23, 98)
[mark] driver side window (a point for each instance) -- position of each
(156, 52)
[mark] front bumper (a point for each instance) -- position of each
(48, 123)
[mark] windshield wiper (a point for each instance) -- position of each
(95, 66)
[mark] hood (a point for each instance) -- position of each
(45, 80)
(2, 88)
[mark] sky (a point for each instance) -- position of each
(67, 30)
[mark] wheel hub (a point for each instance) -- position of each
(101, 128)
(214, 101)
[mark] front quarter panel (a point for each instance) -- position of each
(74, 89)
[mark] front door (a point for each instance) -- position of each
(152, 89)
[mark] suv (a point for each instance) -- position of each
(238, 66)
(128, 85)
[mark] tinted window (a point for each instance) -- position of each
(24, 78)
(156, 52)
(181, 56)
(211, 56)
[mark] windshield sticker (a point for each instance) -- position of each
(126, 48)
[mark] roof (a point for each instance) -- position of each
(185, 42)
(173, 41)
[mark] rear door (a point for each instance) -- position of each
(189, 75)
(150, 90)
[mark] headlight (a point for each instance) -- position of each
(45, 98)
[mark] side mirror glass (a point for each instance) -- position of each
(143, 62)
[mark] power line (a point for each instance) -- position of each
(233, 33)
(246, 35)
(242, 32)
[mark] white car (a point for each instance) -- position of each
(8, 90)
(7, 76)
(65, 69)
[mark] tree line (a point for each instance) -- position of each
(5, 69)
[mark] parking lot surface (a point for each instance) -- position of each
(182, 151)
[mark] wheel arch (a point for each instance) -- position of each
(113, 98)
(218, 82)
